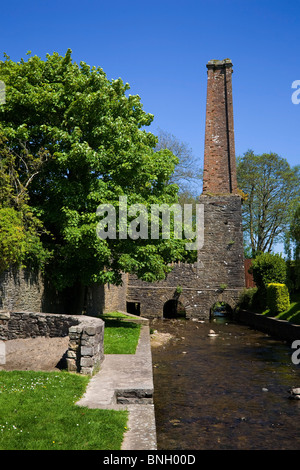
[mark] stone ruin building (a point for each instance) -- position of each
(218, 275)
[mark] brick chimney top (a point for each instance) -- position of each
(219, 63)
(219, 175)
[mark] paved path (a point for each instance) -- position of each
(125, 381)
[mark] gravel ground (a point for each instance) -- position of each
(49, 353)
(35, 354)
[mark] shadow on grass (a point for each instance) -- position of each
(116, 323)
(120, 337)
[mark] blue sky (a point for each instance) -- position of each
(161, 48)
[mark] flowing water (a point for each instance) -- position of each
(224, 392)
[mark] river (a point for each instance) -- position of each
(224, 392)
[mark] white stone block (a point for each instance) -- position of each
(2, 352)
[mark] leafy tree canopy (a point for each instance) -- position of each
(267, 268)
(272, 190)
(80, 141)
(20, 229)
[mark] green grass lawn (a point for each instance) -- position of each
(38, 411)
(120, 337)
(114, 315)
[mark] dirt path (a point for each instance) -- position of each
(48, 354)
(35, 354)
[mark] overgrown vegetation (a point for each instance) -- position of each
(38, 412)
(250, 299)
(20, 228)
(267, 268)
(292, 249)
(275, 294)
(272, 189)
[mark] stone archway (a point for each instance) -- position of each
(220, 309)
(173, 308)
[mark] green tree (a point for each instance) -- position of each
(273, 190)
(20, 229)
(292, 247)
(87, 138)
(267, 268)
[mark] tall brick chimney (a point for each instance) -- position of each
(219, 176)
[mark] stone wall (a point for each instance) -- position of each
(281, 329)
(218, 276)
(115, 296)
(25, 290)
(196, 301)
(222, 255)
(28, 291)
(85, 351)
(107, 298)
(21, 290)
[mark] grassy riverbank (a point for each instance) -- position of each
(38, 410)
(120, 337)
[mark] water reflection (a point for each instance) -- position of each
(223, 392)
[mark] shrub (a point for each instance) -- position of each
(278, 299)
(249, 299)
(268, 268)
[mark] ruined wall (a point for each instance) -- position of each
(222, 255)
(107, 298)
(86, 334)
(197, 301)
(217, 276)
(25, 290)
(115, 296)
(21, 290)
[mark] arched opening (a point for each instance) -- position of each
(220, 311)
(173, 308)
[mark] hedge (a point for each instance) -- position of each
(268, 268)
(278, 299)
